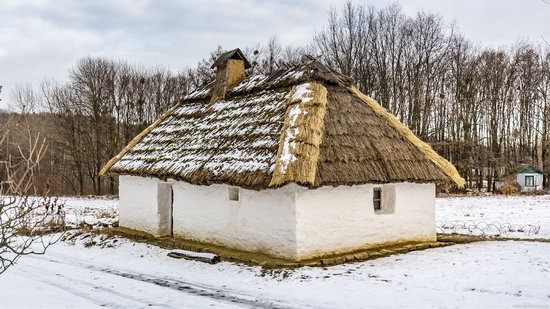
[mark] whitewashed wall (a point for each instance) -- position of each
(141, 207)
(261, 221)
(290, 222)
(520, 178)
(333, 220)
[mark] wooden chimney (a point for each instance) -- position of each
(230, 67)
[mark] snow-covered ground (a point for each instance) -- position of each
(90, 210)
(129, 275)
(118, 273)
(509, 216)
(94, 211)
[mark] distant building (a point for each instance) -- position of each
(528, 178)
(295, 164)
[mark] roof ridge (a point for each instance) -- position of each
(445, 166)
(308, 70)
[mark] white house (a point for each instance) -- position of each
(528, 178)
(295, 164)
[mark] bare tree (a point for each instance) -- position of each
(485, 109)
(24, 219)
(24, 99)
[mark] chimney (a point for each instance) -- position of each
(230, 68)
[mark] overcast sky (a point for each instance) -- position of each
(44, 38)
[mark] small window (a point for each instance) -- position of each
(233, 194)
(377, 199)
(529, 181)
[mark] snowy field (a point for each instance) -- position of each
(93, 211)
(118, 273)
(509, 216)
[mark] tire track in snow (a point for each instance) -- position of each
(68, 284)
(229, 296)
(201, 290)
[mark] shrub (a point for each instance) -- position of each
(511, 187)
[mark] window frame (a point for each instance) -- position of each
(386, 200)
(234, 194)
(377, 202)
(532, 183)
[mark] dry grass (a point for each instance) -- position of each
(510, 188)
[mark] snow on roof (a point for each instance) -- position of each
(304, 124)
(213, 143)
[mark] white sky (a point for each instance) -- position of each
(44, 38)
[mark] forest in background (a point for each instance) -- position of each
(485, 109)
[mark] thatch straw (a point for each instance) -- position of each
(263, 135)
(303, 146)
(233, 141)
(136, 140)
(444, 165)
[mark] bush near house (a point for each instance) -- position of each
(511, 187)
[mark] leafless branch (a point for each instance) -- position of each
(25, 220)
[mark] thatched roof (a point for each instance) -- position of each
(305, 125)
